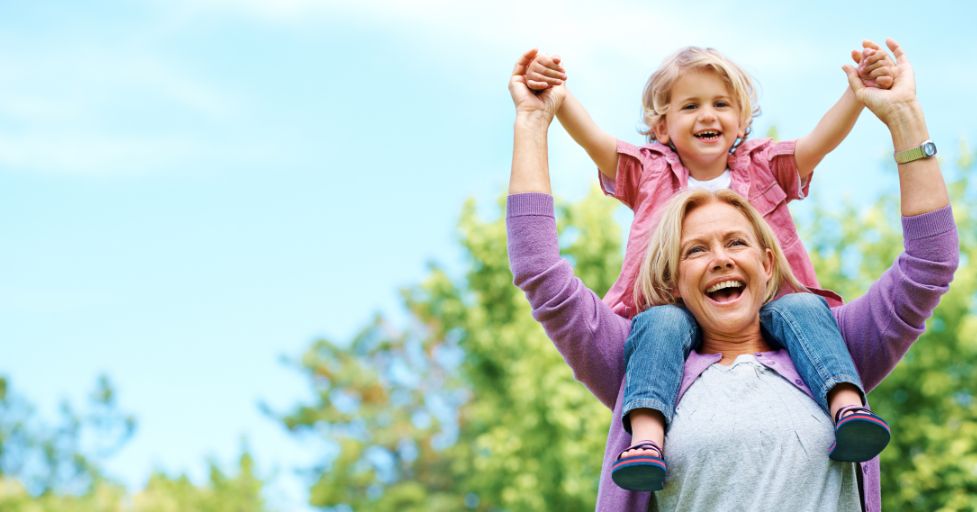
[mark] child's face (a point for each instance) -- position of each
(702, 122)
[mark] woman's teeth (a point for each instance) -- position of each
(724, 284)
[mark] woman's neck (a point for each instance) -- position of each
(734, 345)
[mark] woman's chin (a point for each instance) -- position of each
(728, 315)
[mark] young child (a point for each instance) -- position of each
(698, 107)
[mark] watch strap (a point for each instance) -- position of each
(904, 157)
(917, 153)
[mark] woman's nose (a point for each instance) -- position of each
(722, 260)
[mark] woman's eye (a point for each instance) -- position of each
(737, 242)
(691, 251)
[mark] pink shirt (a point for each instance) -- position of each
(761, 170)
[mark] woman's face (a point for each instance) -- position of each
(723, 271)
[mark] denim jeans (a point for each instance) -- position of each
(662, 337)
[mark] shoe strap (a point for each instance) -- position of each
(853, 409)
(646, 444)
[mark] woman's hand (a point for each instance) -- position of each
(921, 184)
(889, 105)
(528, 102)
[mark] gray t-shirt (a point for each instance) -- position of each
(744, 438)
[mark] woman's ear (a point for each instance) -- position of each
(676, 294)
(768, 260)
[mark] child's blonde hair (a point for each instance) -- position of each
(657, 283)
(658, 90)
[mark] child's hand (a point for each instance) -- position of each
(528, 101)
(545, 72)
(875, 67)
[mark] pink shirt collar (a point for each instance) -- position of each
(739, 163)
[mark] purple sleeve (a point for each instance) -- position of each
(588, 335)
(880, 326)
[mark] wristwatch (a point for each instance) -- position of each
(925, 150)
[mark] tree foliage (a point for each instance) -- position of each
(469, 407)
(931, 463)
(60, 458)
(58, 466)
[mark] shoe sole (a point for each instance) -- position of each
(859, 438)
(639, 473)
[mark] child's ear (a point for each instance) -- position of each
(661, 130)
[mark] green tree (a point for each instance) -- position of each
(223, 492)
(470, 406)
(928, 399)
(57, 467)
(64, 457)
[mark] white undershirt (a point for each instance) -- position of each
(718, 183)
(744, 438)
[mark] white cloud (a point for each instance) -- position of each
(90, 111)
(595, 36)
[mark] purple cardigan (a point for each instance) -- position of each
(878, 327)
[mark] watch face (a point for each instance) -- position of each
(929, 149)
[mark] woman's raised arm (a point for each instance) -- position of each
(921, 184)
(880, 326)
(588, 335)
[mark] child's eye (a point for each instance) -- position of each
(689, 106)
(722, 104)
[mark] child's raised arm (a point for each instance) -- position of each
(876, 70)
(547, 71)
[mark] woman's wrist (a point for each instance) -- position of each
(907, 125)
(534, 119)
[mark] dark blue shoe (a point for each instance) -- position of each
(859, 436)
(645, 472)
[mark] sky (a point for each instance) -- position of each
(192, 191)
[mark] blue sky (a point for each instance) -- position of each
(191, 190)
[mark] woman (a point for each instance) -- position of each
(878, 327)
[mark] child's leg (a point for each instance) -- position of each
(660, 340)
(655, 353)
(804, 325)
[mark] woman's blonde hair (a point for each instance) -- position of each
(657, 282)
(658, 90)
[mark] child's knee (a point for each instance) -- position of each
(666, 315)
(799, 302)
(660, 324)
